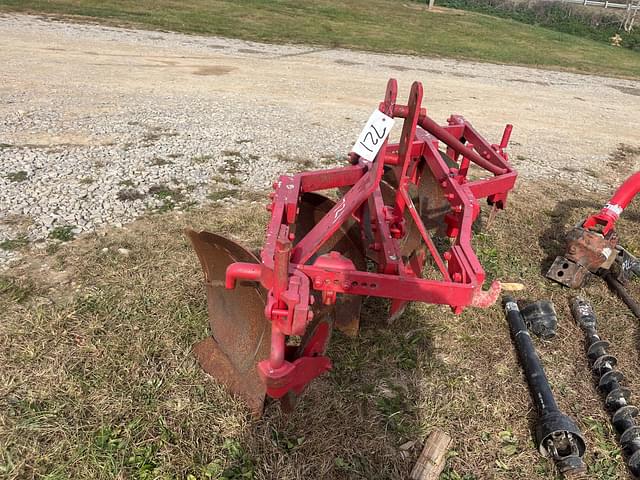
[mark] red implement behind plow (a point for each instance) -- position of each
(407, 210)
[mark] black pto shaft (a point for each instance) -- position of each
(557, 436)
(616, 397)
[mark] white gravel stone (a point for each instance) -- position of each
(81, 148)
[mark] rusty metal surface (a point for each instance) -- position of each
(347, 241)
(567, 273)
(587, 252)
(240, 331)
(216, 363)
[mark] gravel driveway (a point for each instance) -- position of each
(101, 125)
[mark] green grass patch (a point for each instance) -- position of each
(200, 159)
(63, 233)
(223, 193)
(377, 25)
(14, 244)
(19, 176)
(159, 161)
(591, 23)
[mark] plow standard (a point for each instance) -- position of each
(400, 229)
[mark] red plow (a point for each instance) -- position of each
(400, 229)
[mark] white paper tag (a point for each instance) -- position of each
(373, 135)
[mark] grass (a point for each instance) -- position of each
(14, 244)
(201, 159)
(375, 25)
(98, 380)
(130, 194)
(171, 197)
(593, 23)
(63, 233)
(16, 177)
(220, 194)
(159, 161)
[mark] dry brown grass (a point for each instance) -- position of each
(97, 379)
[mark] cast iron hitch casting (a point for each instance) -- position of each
(557, 436)
(609, 382)
(593, 244)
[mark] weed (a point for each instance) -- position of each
(488, 254)
(86, 181)
(14, 244)
(14, 290)
(243, 141)
(623, 153)
(235, 181)
(232, 153)
(331, 160)
(19, 176)
(62, 233)
(167, 206)
(126, 183)
(5, 145)
(130, 194)
(241, 464)
(155, 134)
(392, 404)
(223, 193)
(231, 166)
(170, 197)
(52, 248)
(285, 443)
(300, 162)
(201, 159)
(165, 192)
(450, 474)
(159, 161)
(175, 155)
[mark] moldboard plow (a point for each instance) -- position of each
(402, 210)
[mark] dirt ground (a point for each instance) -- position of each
(96, 375)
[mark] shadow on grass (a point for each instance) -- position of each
(552, 239)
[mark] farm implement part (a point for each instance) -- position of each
(593, 245)
(617, 397)
(400, 229)
(557, 436)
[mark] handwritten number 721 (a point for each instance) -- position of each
(374, 141)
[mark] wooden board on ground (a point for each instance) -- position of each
(431, 461)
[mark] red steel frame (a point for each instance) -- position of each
(608, 216)
(290, 280)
